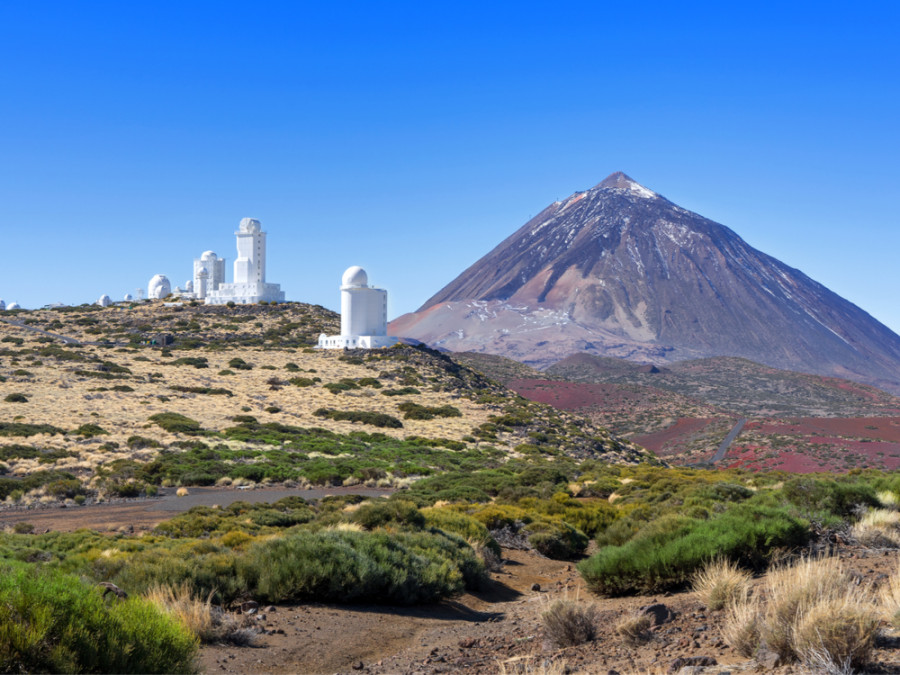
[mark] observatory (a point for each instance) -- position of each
(363, 315)
(104, 301)
(2, 305)
(159, 287)
(249, 271)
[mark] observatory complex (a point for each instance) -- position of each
(208, 283)
(363, 315)
(249, 271)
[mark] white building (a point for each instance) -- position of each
(128, 297)
(249, 271)
(159, 287)
(209, 274)
(14, 305)
(363, 315)
(104, 301)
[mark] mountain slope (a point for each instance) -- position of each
(619, 270)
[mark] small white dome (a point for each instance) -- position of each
(128, 297)
(189, 285)
(14, 305)
(250, 226)
(104, 301)
(355, 276)
(208, 255)
(202, 272)
(159, 287)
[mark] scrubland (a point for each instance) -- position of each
(476, 472)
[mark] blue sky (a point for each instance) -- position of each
(411, 138)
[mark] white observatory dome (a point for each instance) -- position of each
(250, 226)
(14, 305)
(355, 276)
(208, 255)
(159, 287)
(189, 285)
(128, 297)
(202, 272)
(104, 301)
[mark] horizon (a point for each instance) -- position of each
(411, 140)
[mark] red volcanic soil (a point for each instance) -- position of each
(569, 395)
(663, 442)
(818, 444)
(875, 428)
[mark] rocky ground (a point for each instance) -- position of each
(499, 630)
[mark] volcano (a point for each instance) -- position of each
(619, 270)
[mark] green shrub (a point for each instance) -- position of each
(414, 411)
(52, 622)
(669, 552)
(213, 391)
(239, 364)
(388, 512)
(176, 423)
(195, 361)
(381, 420)
(400, 568)
(20, 429)
(16, 398)
(91, 430)
(141, 442)
(304, 381)
(403, 391)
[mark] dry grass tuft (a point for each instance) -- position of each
(182, 492)
(532, 665)
(878, 527)
(722, 583)
(841, 628)
(889, 599)
(813, 614)
(635, 629)
(888, 499)
(569, 623)
(741, 630)
(210, 624)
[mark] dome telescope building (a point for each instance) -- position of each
(104, 301)
(363, 315)
(249, 284)
(159, 287)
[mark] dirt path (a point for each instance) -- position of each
(145, 514)
(729, 439)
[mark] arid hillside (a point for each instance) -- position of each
(239, 396)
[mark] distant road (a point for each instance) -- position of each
(729, 439)
(20, 324)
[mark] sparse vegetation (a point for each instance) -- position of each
(568, 623)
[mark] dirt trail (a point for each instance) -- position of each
(141, 514)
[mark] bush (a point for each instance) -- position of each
(16, 398)
(388, 512)
(381, 420)
(91, 430)
(667, 555)
(176, 423)
(52, 622)
(414, 411)
(634, 629)
(239, 364)
(345, 566)
(568, 624)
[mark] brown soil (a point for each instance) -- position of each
(499, 630)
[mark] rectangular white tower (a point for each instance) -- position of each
(250, 266)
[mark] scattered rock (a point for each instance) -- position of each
(535, 587)
(358, 666)
(767, 658)
(658, 613)
(681, 664)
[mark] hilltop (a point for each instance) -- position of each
(240, 397)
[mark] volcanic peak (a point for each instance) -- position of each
(622, 181)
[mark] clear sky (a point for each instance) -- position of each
(411, 138)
